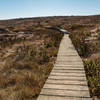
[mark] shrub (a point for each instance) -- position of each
(78, 39)
(43, 57)
(48, 45)
(93, 75)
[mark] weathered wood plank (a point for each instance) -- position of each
(67, 82)
(71, 87)
(69, 68)
(67, 77)
(50, 97)
(69, 74)
(69, 71)
(69, 93)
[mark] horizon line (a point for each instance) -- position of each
(47, 16)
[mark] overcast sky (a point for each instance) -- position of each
(36, 8)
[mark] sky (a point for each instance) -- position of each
(36, 8)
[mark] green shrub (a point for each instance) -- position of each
(93, 75)
(43, 57)
(48, 45)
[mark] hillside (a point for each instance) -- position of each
(28, 51)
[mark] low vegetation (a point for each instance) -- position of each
(92, 68)
(27, 68)
(28, 51)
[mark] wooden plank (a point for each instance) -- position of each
(67, 78)
(69, 68)
(66, 87)
(68, 55)
(69, 71)
(69, 93)
(69, 62)
(78, 66)
(50, 97)
(67, 82)
(69, 74)
(68, 59)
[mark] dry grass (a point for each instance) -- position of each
(27, 68)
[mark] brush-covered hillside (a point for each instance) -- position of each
(28, 50)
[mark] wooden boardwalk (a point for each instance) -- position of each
(67, 81)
